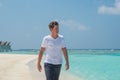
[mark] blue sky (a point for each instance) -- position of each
(85, 24)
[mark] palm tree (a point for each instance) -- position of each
(5, 46)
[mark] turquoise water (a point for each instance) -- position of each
(95, 64)
(91, 64)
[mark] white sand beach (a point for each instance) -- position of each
(23, 67)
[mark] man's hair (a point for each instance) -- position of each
(52, 24)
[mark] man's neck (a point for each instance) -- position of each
(54, 36)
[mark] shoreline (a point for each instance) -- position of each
(23, 66)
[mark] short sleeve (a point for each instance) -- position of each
(63, 43)
(44, 42)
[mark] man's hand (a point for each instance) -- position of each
(39, 67)
(66, 66)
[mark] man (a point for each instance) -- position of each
(54, 45)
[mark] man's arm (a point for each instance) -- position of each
(66, 58)
(40, 58)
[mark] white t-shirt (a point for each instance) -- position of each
(53, 49)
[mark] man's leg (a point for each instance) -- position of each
(56, 73)
(49, 71)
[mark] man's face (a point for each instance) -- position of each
(55, 29)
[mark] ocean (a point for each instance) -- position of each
(89, 64)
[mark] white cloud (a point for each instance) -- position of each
(74, 25)
(110, 10)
